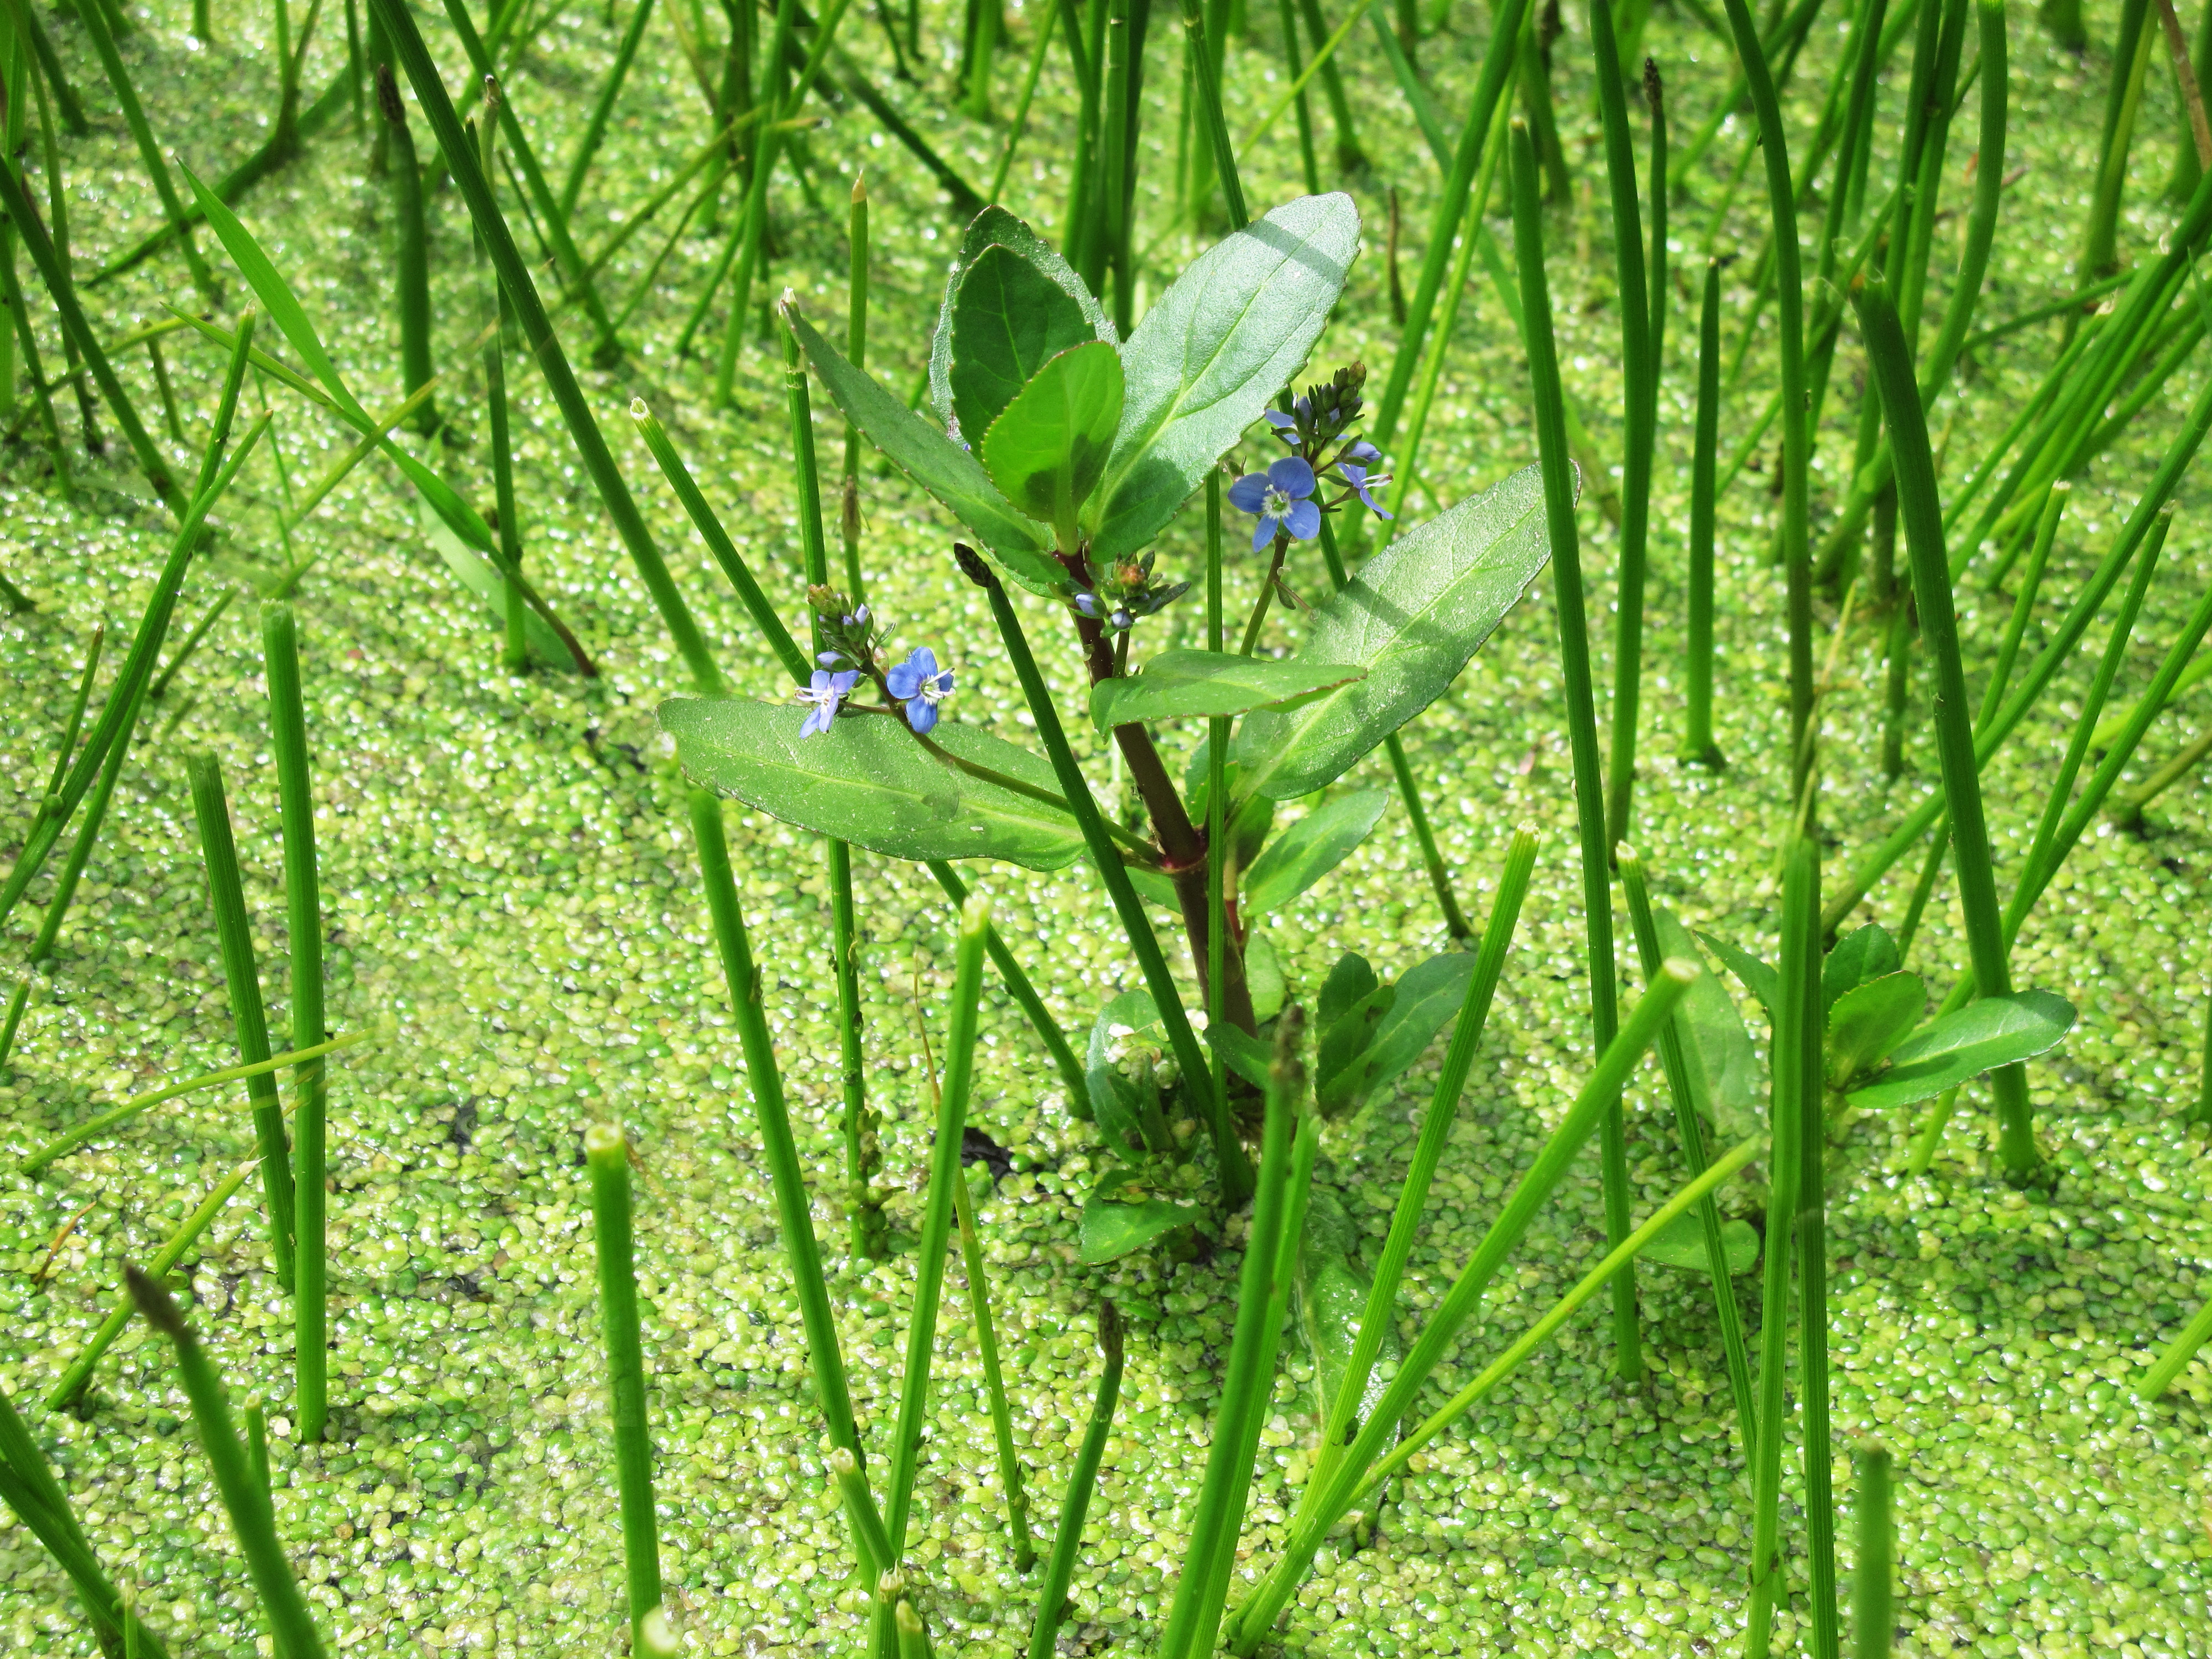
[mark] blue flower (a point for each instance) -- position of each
(920, 685)
(1089, 605)
(1361, 450)
(1356, 475)
(1286, 427)
(1280, 497)
(826, 691)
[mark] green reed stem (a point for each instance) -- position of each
(1023, 992)
(856, 353)
(53, 270)
(2030, 584)
(1797, 438)
(1210, 118)
(1236, 1173)
(606, 1150)
(1919, 507)
(1309, 162)
(171, 1252)
(1219, 1512)
(870, 1544)
(2127, 806)
(1640, 406)
(2047, 662)
(537, 330)
(1802, 1048)
(1673, 1058)
(498, 318)
(100, 1123)
(2131, 55)
(1560, 491)
(1559, 1154)
(1698, 744)
(994, 1381)
(245, 1499)
(303, 923)
(603, 106)
(411, 263)
(1113, 206)
(944, 1173)
(1695, 1194)
(1016, 127)
(2169, 1367)
(1082, 1480)
(1874, 1621)
(1799, 909)
(1379, 1316)
(96, 26)
(233, 932)
(753, 221)
(1216, 798)
(779, 1150)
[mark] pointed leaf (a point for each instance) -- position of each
(488, 583)
(1113, 1227)
(1761, 981)
(1046, 450)
(1412, 618)
(1869, 1020)
(1681, 1243)
(935, 462)
(996, 227)
(1430, 996)
(1263, 976)
(866, 781)
(1192, 685)
(1723, 1067)
(1247, 1056)
(1984, 1035)
(1352, 1000)
(1113, 1093)
(1009, 320)
(1865, 953)
(1332, 1300)
(1209, 358)
(1311, 848)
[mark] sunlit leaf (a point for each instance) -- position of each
(1046, 450)
(1869, 1020)
(1681, 1243)
(1009, 320)
(1987, 1033)
(1311, 848)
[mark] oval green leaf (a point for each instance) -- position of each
(1681, 1243)
(1113, 1227)
(1869, 1020)
(1046, 450)
(1309, 849)
(1984, 1035)
(1723, 1067)
(1009, 321)
(867, 782)
(1332, 1300)
(1193, 684)
(1113, 1098)
(935, 462)
(1761, 981)
(1209, 358)
(1412, 618)
(1865, 953)
(996, 227)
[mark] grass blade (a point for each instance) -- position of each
(1082, 1481)
(607, 1152)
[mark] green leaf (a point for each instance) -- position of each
(996, 227)
(1869, 1020)
(1309, 849)
(1400, 1021)
(1189, 684)
(1352, 1002)
(1009, 320)
(1722, 1065)
(1113, 1226)
(1263, 977)
(1250, 816)
(1866, 953)
(1984, 1035)
(1046, 450)
(1208, 359)
(1114, 1096)
(1331, 1299)
(935, 462)
(867, 782)
(1412, 618)
(488, 583)
(1761, 981)
(1681, 1243)
(1247, 1056)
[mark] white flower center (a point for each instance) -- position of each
(1274, 502)
(932, 689)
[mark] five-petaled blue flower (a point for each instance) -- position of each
(826, 691)
(920, 685)
(1356, 475)
(1280, 496)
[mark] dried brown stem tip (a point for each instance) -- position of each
(972, 567)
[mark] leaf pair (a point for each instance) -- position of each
(1372, 1033)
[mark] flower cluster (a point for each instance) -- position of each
(852, 648)
(1281, 499)
(1124, 591)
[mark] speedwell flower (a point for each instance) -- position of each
(919, 684)
(1356, 475)
(1280, 496)
(824, 696)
